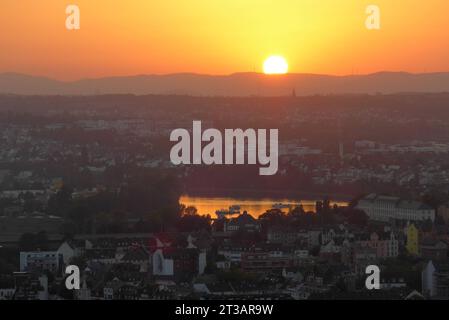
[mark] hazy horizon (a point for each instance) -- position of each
(236, 84)
(131, 75)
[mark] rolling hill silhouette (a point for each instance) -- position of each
(238, 84)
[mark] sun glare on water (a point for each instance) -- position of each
(275, 65)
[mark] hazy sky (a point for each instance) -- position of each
(221, 36)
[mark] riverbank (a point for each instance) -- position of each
(244, 193)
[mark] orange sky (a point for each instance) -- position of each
(221, 36)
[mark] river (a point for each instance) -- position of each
(255, 207)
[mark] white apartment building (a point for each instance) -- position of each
(41, 260)
(385, 208)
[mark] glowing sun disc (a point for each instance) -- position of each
(275, 65)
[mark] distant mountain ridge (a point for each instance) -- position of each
(237, 84)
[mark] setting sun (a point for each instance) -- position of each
(275, 65)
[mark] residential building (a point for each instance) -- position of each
(386, 246)
(386, 208)
(41, 260)
(412, 240)
(244, 222)
(435, 250)
(435, 280)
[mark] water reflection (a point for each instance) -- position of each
(255, 207)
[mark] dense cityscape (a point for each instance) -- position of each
(87, 181)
